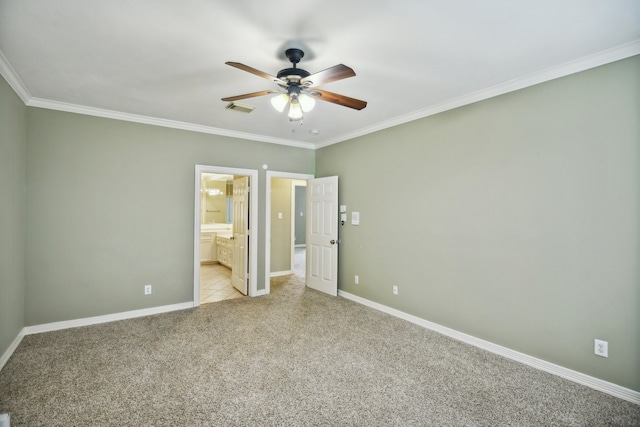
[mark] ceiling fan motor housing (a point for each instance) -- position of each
(293, 75)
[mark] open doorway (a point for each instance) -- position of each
(225, 252)
(216, 236)
(285, 225)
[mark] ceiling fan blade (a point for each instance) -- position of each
(337, 72)
(256, 72)
(345, 101)
(249, 95)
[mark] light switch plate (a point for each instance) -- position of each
(355, 218)
(343, 208)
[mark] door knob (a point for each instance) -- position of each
(335, 242)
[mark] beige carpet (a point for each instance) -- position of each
(295, 357)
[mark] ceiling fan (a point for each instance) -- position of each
(298, 87)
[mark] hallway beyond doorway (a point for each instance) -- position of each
(284, 241)
(299, 262)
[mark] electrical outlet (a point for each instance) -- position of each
(356, 279)
(147, 289)
(395, 290)
(601, 348)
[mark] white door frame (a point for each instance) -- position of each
(253, 237)
(267, 254)
(294, 215)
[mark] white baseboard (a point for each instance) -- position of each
(7, 354)
(56, 326)
(578, 377)
(280, 273)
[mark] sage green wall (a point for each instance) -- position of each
(280, 228)
(515, 219)
(110, 209)
(13, 146)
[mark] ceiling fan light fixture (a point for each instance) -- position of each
(306, 102)
(295, 111)
(279, 102)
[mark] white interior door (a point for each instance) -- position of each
(322, 234)
(240, 263)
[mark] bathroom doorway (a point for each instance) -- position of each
(225, 253)
(217, 238)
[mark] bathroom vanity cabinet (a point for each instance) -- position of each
(208, 252)
(224, 249)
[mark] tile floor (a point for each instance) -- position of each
(215, 284)
(215, 279)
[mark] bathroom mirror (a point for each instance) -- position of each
(216, 199)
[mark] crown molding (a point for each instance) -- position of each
(174, 124)
(14, 81)
(618, 53)
(624, 51)
(9, 74)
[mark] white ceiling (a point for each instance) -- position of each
(163, 62)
